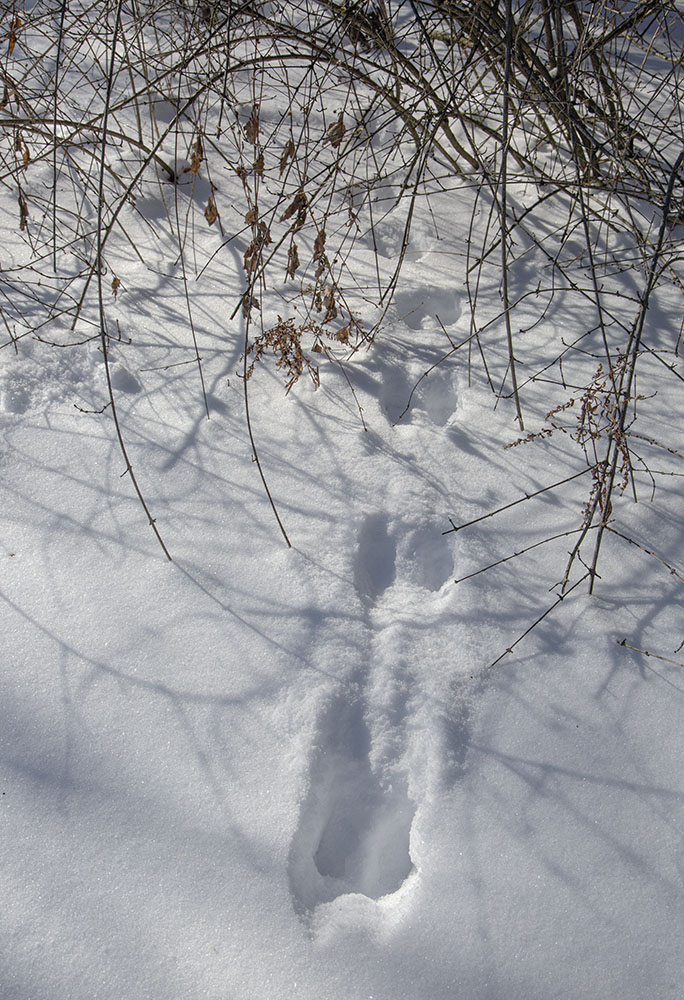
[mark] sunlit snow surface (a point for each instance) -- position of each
(258, 773)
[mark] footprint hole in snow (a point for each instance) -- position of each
(425, 558)
(364, 844)
(375, 563)
(395, 394)
(15, 399)
(353, 834)
(124, 381)
(426, 304)
(437, 396)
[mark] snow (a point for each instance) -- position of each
(257, 772)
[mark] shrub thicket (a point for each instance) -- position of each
(331, 114)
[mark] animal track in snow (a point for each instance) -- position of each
(124, 381)
(424, 558)
(425, 304)
(419, 555)
(437, 396)
(14, 397)
(353, 834)
(394, 393)
(374, 569)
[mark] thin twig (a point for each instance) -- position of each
(561, 597)
(514, 503)
(520, 552)
(646, 652)
(99, 263)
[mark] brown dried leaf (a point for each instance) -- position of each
(21, 147)
(292, 261)
(248, 303)
(251, 257)
(251, 216)
(263, 234)
(335, 133)
(14, 27)
(23, 210)
(116, 285)
(211, 211)
(196, 156)
(259, 165)
(284, 341)
(252, 126)
(329, 304)
(286, 155)
(319, 245)
(298, 205)
(343, 334)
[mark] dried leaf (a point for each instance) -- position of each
(329, 304)
(211, 211)
(23, 210)
(319, 245)
(252, 126)
(284, 340)
(14, 27)
(249, 303)
(263, 234)
(116, 285)
(292, 261)
(251, 216)
(298, 205)
(335, 133)
(286, 155)
(196, 156)
(21, 147)
(317, 349)
(343, 334)
(251, 257)
(259, 165)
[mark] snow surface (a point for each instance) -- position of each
(258, 772)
